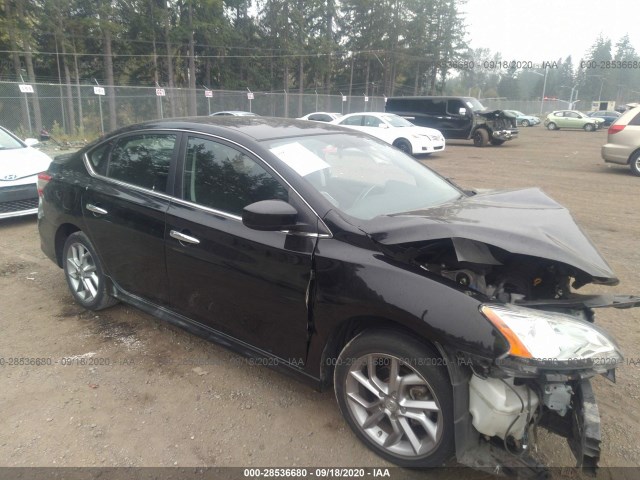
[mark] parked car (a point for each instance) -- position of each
(623, 141)
(233, 113)
(446, 321)
(321, 116)
(395, 131)
(572, 119)
(457, 118)
(524, 120)
(20, 165)
(608, 117)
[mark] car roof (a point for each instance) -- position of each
(256, 127)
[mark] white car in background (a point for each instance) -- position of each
(321, 116)
(20, 165)
(397, 131)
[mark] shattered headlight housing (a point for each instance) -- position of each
(553, 340)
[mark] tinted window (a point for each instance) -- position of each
(635, 120)
(142, 160)
(320, 117)
(99, 158)
(454, 106)
(437, 107)
(225, 179)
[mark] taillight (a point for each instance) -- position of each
(43, 179)
(615, 129)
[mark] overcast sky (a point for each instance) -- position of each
(545, 30)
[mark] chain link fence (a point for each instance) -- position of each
(78, 112)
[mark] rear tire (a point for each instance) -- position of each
(634, 163)
(552, 126)
(481, 137)
(84, 273)
(395, 394)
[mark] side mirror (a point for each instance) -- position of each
(30, 142)
(462, 111)
(383, 125)
(269, 216)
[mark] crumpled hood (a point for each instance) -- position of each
(526, 222)
(22, 162)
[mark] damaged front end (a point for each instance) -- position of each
(501, 126)
(543, 380)
(524, 273)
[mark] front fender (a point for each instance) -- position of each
(354, 282)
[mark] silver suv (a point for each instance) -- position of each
(623, 142)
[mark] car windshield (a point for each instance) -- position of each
(362, 177)
(8, 141)
(517, 113)
(397, 121)
(474, 104)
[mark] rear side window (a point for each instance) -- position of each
(635, 120)
(356, 120)
(142, 160)
(99, 158)
(320, 117)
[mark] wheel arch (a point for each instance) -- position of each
(63, 232)
(402, 139)
(350, 328)
(633, 154)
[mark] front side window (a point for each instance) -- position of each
(220, 177)
(371, 121)
(142, 160)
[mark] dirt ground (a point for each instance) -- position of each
(125, 389)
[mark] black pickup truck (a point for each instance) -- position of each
(457, 118)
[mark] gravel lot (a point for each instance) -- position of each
(157, 396)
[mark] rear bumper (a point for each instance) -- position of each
(612, 153)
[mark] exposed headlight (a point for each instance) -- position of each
(553, 339)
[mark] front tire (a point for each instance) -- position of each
(84, 273)
(395, 394)
(589, 127)
(634, 163)
(481, 137)
(525, 123)
(403, 145)
(552, 126)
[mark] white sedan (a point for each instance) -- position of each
(20, 165)
(396, 131)
(321, 116)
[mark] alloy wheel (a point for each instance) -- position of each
(394, 405)
(82, 272)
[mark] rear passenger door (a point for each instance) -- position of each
(124, 209)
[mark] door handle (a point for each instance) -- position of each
(183, 238)
(92, 208)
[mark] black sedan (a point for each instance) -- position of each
(446, 321)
